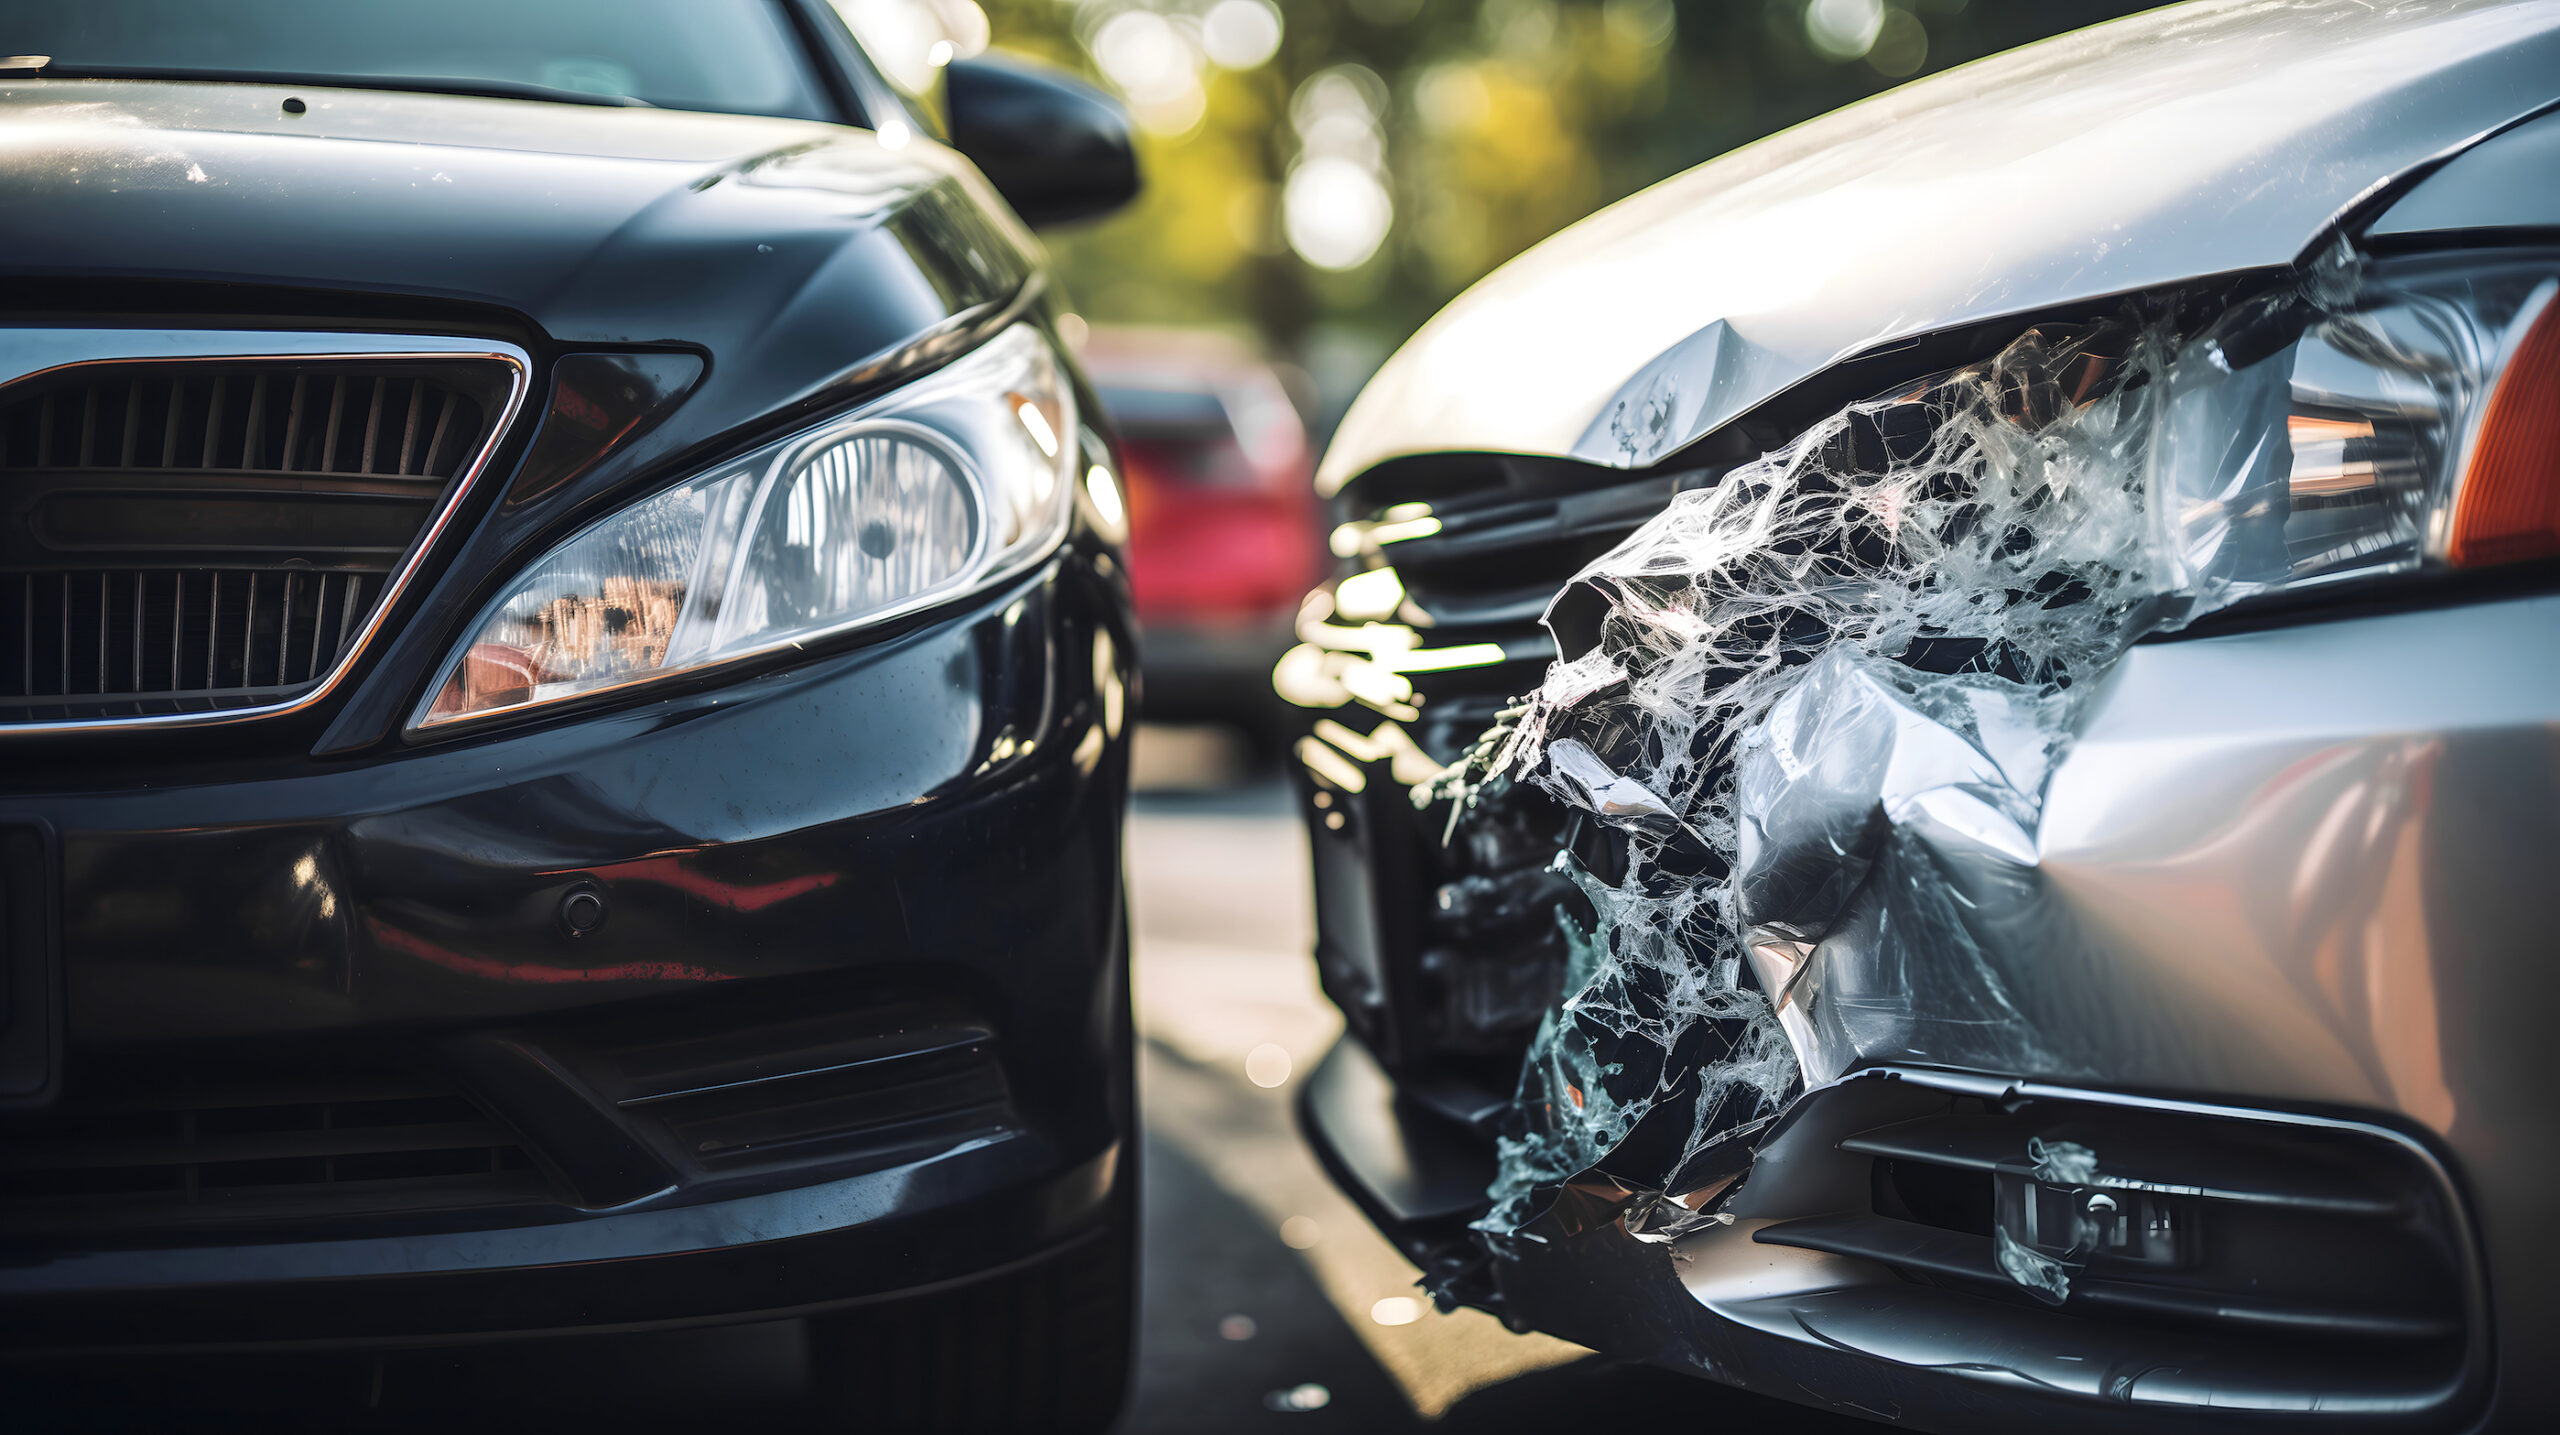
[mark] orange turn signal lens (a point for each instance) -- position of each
(2508, 508)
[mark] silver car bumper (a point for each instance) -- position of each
(2291, 886)
(2289, 975)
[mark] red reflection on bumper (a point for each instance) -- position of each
(736, 896)
(491, 969)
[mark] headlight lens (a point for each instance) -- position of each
(2414, 423)
(957, 480)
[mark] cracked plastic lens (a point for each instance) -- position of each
(953, 481)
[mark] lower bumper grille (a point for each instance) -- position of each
(872, 1083)
(1982, 1253)
(2260, 1231)
(1437, 935)
(258, 1152)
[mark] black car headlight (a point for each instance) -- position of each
(2412, 423)
(949, 484)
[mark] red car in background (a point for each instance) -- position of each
(1225, 533)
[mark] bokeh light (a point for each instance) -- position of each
(1396, 1310)
(1267, 1066)
(1337, 212)
(1240, 34)
(1843, 29)
(1902, 44)
(1335, 209)
(1156, 64)
(913, 39)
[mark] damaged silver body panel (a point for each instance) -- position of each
(2200, 139)
(2332, 884)
(2261, 871)
(2022, 889)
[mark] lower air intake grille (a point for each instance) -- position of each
(199, 535)
(2256, 1228)
(295, 1150)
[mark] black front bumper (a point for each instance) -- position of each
(854, 1023)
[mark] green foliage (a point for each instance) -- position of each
(1497, 122)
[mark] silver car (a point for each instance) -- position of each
(1936, 778)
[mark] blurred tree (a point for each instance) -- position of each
(1328, 173)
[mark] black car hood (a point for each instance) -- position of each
(599, 224)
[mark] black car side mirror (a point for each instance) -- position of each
(1055, 148)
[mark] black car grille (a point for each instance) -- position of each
(177, 638)
(200, 535)
(1503, 537)
(279, 1150)
(244, 418)
(1438, 938)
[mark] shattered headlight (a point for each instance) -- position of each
(952, 482)
(2411, 420)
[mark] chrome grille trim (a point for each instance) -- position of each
(28, 353)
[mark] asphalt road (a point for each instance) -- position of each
(1268, 1301)
(1241, 1222)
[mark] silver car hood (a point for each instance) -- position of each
(2202, 139)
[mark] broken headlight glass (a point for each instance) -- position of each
(2343, 454)
(954, 481)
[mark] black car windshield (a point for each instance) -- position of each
(737, 56)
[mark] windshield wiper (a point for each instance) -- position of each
(428, 84)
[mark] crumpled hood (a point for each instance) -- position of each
(600, 224)
(2196, 140)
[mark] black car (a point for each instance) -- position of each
(564, 700)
